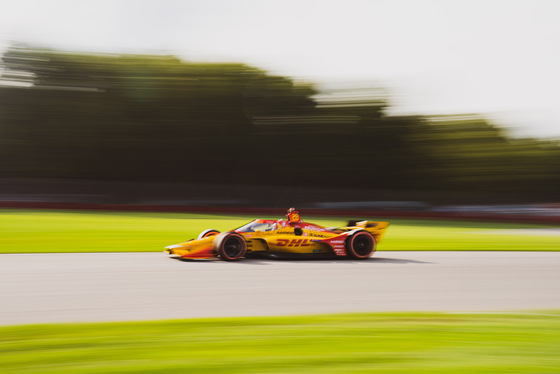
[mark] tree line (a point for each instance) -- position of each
(157, 118)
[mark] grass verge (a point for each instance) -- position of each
(361, 343)
(36, 231)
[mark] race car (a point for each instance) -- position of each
(290, 238)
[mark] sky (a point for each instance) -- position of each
(500, 58)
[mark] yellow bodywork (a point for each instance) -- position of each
(306, 239)
(377, 228)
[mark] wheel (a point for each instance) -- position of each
(207, 233)
(360, 245)
(230, 246)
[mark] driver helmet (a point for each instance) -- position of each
(293, 216)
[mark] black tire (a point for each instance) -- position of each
(230, 246)
(360, 245)
(207, 233)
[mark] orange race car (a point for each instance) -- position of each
(289, 238)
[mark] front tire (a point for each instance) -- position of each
(360, 245)
(207, 233)
(230, 246)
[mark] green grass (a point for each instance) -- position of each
(25, 231)
(361, 343)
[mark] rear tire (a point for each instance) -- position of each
(360, 245)
(207, 233)
(230, 246)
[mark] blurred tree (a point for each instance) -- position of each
(469, 154)
(135, 117)
(157, 118)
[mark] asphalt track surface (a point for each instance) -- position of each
(38, 288)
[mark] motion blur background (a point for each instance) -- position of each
(327, 104)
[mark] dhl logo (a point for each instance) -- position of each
(293, 243)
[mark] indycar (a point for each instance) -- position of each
(290, 238)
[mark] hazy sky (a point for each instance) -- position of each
(499, 57)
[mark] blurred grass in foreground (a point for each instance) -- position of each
(25, 231)
(361, 343)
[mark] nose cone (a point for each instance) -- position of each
(173, 249)
(201, 248)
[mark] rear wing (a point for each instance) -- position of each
(376, 228)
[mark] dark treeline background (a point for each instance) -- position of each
(157, 118)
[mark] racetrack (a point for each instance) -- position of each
(37, 288)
